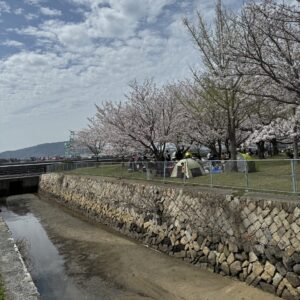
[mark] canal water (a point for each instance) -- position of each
(45, 263)
(70, 257)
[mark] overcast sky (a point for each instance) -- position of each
(60, 57)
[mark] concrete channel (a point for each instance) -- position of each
(70, 257)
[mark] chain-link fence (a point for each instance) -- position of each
(261, 175)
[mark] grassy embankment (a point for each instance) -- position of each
(270, 175)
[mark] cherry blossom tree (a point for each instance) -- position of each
(221, 84)
(149, 118)
(268, 51)
(281, 128)
(205, 124)
(92, 138)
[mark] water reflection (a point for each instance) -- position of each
(47, 265)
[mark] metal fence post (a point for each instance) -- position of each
(122, 169)
(246, 174)
(211, 174)
(164, 171)
(294, 181)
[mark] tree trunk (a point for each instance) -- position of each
(227, 145)
(295, 147)
(219, 149)
(213, 149)
(261, 149)
(275, 150)
(232, 147)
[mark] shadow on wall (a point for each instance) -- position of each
(18, 186)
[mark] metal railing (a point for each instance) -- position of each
(260, 175)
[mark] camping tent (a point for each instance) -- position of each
(192, 168)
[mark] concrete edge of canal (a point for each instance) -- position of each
(15, 276)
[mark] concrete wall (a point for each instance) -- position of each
(17, 280)
(254, 239)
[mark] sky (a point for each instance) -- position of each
(58, 58)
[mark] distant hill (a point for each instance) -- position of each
(48, 149)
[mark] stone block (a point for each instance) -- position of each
(267, 287)
(246, 210)
(276, 279)
(257, 268)
(290, 249)
(256, 281)
(232, 247)
(184, 240)
(245, 264)
(293, 279)
(230, 259)
(282, 215)
(225, 268)
(180, 254)
(259, 249)
(220, 247)
(235, 268)
(251, 206)
(212, 258)
(295, 228)
(249, 269)
(252, 217)
(296, 257)
(296, 269)
(246, 223)
(273, 228)
(276, 237)
(286, 224)
(250, 279)
(252, 257)
(266, 277)
(196, 246)
(258, 234)
(265, 212)
(274, 211)
(287, 295)
(281, 231)
(281, 268)
(270, 268)
(296, 213)
(205, 251)
(288, 262)
(222, 258)
(240, 256)
(263, 240)
(268, 220)
(280, 288)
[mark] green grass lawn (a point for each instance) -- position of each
(270, 175)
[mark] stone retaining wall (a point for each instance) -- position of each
(256, 240)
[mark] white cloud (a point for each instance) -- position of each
(33, 2)
(18, 11)
(4, 7)
(31, 16)
(75, 65)
(50, 12)
(13, 43)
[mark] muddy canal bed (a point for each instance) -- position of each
(70, 257)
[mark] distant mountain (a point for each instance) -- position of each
(42, 150)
